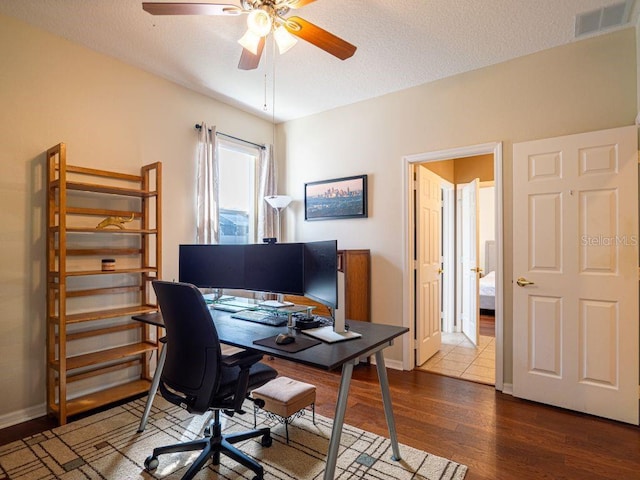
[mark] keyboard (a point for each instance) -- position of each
(258, 316)
(275, 304)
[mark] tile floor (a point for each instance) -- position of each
(458, 357)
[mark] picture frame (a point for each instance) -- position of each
(337, 198)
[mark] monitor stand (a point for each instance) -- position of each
(338, 313)
(338, 332)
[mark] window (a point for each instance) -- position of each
(237, 192)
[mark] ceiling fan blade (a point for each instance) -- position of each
(298, 3)
(320, 38)
(249, 61)
(156, 8)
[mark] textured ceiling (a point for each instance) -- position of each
(401, 43)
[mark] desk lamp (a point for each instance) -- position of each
(279, 202)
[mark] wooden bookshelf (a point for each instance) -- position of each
(78, 198)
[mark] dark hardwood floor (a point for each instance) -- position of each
(497, 436)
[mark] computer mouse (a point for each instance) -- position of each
(284, 339)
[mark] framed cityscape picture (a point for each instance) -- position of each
(337, 198)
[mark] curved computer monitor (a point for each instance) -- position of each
(321, 272)
(276, 268)
(309, 269)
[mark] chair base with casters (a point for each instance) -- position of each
(212, 446)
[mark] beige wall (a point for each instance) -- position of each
(584, 86)
(111, 116)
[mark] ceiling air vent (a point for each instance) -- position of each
(604, 18)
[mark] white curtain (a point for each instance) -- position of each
(207, 186)
(268, 179)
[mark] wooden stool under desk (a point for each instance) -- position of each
(285, 400)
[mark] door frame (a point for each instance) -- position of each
(408, 282)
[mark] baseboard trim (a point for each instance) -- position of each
(507, 388)
(393, 364)
(13, 418)
(19, 416)
(30, 413)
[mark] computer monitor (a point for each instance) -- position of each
(212, 266)
(308, 269)
(274, 267)
(321, 272)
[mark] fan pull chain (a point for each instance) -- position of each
(273, 85)
(273, 94)
(264, 107)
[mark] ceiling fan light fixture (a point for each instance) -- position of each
(250, 41)
(284, 39)
(259, 22)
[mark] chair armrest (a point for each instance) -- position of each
(242, 359)
(245, 360)
(172, 397)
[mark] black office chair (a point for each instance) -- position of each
(196, 376)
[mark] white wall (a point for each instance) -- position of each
(111, 116)
(583, 86)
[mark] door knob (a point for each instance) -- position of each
(477, 269)
(523, 282)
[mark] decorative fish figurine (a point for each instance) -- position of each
(114, 221)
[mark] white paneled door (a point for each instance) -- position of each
(429, 264)
(469, 257)
(575, 272)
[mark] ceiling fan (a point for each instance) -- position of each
(263, 17)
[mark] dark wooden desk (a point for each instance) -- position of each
(327, 356)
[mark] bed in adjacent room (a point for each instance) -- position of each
(488, 280)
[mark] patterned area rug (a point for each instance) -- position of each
(107, 446)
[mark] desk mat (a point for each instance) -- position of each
(301, 343)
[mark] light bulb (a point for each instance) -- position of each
(259, 22)
(250, 41)
(284, 39)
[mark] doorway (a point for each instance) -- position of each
(452, 338)
(468, 338)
